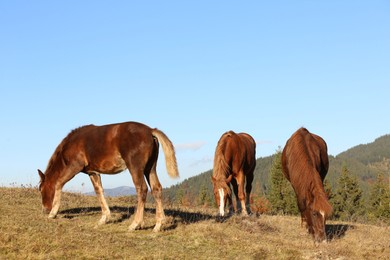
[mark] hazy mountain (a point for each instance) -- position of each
(117, 192)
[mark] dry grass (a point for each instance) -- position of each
(26, 233)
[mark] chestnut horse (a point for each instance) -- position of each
(234, 162)
(109, 149)
(305, 164)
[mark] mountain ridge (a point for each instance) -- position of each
(116, 192)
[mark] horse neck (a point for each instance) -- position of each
(51, 177)
(54, 168)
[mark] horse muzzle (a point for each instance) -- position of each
(220, 218)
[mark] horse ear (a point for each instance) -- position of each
(41, 175)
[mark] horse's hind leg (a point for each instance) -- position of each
(97, 185)
(142, 191)
(156, 188)
(241, 193)
(234, 208)
(248, 190)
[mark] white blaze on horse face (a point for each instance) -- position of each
(221, 202)
(323, 214)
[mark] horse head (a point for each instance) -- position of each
(47, 192)
(316, 224)
(221, 193)
(319, 211)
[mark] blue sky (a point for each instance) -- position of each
(193, 69)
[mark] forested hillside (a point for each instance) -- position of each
(364, 162)
(371, 153)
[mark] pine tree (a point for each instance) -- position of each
(281, 195)
(179, 197)
(328, 189)
(203, 196)
(379, 201)
(348, 199)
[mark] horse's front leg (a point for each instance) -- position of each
(56, 202)
(97, 185)
(66, 176)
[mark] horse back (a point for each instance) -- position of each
(106, 148)
(304, 154)
(239, 152)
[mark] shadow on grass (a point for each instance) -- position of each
(179, 216)
(336, 231)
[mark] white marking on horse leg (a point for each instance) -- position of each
(160, 216)
(157, 227)
(157, 194)
(55, 204)
(97, 184)
(138, 219)
(106, 214)
(139, 214)
(221, 202)
(133, 226)
(244, 212)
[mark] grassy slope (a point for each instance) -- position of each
(26, 233)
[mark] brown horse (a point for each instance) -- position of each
(109, 149)
(234, 162)
(305, 164)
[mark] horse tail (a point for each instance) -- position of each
(169, 152)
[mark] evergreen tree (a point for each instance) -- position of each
(379, 201)
(347, 201)
(328, 189)
(281, 195)
(203, 196)
(179, 197)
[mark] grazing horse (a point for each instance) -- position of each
(109, 149)
(305, 164)
(234, 162)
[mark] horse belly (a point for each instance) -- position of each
(111, 165)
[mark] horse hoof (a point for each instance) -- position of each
(52, 216)
(133, 227)
(103, 220)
